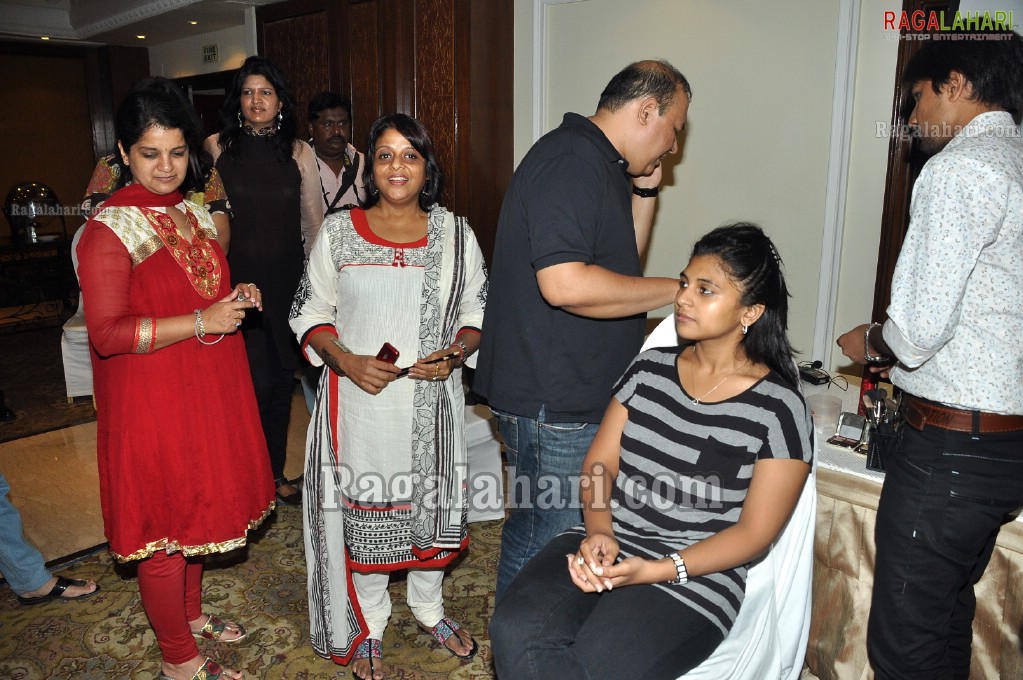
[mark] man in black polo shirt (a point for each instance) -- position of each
(567, 300)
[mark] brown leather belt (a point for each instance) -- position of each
(919, 412)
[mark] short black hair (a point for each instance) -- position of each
(418, 136)
(328, 100)
(991, 60)
(657, 79)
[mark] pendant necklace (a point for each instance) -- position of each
(692, 376)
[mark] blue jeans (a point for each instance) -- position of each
(945, 496)
(544, 463)
(21, 564)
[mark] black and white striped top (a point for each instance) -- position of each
(685, 468)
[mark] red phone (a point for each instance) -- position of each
(388, 353)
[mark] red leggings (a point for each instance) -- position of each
(171, 589)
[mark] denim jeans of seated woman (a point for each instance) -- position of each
(945, 496)
(544, 461)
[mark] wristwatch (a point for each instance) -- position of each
(646, 192)
(682, 575)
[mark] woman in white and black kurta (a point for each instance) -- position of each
(385, 479)
(697, 465)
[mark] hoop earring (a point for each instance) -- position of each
(744, 329)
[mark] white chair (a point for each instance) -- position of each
(74, 343)
(768, 640)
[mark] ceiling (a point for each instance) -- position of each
(119, 22)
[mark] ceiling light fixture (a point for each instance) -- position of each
(194, 23)
(44, 37)
(141, 37)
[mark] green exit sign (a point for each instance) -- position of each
(209, 53)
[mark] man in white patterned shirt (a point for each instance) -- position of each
(954, 344)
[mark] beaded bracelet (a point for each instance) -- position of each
(200, 330)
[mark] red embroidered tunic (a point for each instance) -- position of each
(182, 458)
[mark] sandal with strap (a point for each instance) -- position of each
(369, 648)
(443, 631)
(57, 592)
(214, 628)
(210, 670)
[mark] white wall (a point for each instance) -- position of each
(868, 161)
(183, 57)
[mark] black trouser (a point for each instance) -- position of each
(274, 384)
(945, 496)
(545, 628)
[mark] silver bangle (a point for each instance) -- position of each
(200, 330)
(341, 345)
(682, 574)
(867, 356)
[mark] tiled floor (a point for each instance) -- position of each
(55, 483)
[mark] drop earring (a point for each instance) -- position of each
(744, 329)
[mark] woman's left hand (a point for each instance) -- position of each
(248, 292)
(441, 370)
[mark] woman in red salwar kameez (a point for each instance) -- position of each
(182, 460)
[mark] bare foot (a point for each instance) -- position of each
(360, 669)
(460, 643)
(70, 593)
(189, 669)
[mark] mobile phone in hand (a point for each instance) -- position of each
(388, 353)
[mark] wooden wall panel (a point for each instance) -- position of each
(435, 88)
(298, 46)
(364, 69)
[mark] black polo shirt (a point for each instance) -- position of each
(569, 201)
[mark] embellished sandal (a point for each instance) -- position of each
(443, 631)
(210, 670)
(368, 649)
(214, 628)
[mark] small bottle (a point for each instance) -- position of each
(868, 383)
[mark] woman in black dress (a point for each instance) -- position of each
(273, 183)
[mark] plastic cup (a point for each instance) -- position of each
(825, 409)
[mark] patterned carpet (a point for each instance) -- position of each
(263, 587)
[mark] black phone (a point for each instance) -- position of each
(388, 353)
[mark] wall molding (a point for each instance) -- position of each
(837, 180)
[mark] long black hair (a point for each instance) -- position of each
(752, 261)
(143, 109)
(284, 140)
(417, 135)
(161, 112)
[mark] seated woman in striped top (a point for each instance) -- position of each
(697, 465)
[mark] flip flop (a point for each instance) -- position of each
(371, 649)
(57, 591)
(443, 631)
